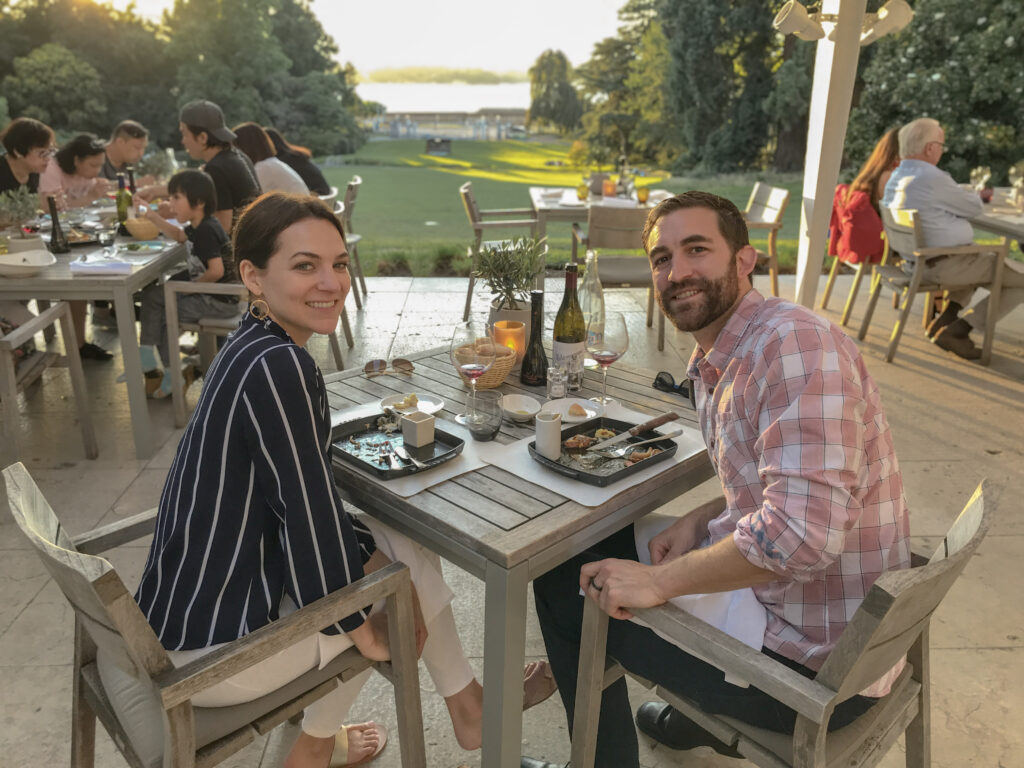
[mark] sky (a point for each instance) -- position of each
(496, 35)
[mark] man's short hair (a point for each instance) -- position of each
(730, 221)
(197, 187)
(24, 134)
(129, 129)
(918, 134)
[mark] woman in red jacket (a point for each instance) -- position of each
(856, 226)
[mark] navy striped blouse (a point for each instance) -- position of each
(249, 511)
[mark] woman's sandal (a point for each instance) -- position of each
(543, 683)
(340, 756)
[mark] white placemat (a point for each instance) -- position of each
(515, 458)
(412, 484)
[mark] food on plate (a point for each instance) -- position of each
(409, 401)
(521, 412)
(78, 236)
(577, 410)
(579, 442)
(640, 455)
(604, 434)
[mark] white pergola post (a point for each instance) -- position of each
(835, 70)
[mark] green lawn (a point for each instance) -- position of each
(409, 207)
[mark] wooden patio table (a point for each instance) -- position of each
(502, 528)
(57, 282)
(552, 209)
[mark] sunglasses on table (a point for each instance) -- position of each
(380, 367)
(665, 382)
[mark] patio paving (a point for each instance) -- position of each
(954, 423)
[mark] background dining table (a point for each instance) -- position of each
(565, 206)
(500, 527)
(57, 282)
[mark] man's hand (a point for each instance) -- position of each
(618, 585)
(686, 533)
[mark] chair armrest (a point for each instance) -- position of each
(579, 235)
(224, 289)
(764, 225)
(182, 683)
(114, 535)
(507, 212)
(961, 250)
(35, 324)
(809, 698)
(505, 224)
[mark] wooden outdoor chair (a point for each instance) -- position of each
(903, 231)
(891, 622)
(123, 676)
(617, 228)
(330, 198)
(209, 329)
(352, 239)
(859, 270)
(15, 377)
(764, 210)
(477, 220)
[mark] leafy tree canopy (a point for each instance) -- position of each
(53, 85)
(553, 99)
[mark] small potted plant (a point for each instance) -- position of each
(17, 207)
(510, 269)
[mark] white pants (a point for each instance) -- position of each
(442, 654)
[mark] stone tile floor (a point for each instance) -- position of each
(954, 423)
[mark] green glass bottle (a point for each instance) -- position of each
(123, 200)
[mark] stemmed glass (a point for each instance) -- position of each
(607, 341)
(472, 353)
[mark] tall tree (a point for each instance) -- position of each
(53, 85)
(656, 138)
(302, 37)
(553, 99)
(610, 120)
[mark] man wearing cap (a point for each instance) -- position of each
(205, 137)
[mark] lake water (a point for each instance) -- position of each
(445, 97)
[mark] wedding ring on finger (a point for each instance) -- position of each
(594, 585)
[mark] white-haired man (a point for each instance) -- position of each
(944, 209)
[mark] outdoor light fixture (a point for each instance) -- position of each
(793, 19)
(891, 18)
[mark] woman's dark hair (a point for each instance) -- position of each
(884, 157)
(212, 142)
(253, 140)
(730, 220)
(197, 187)
(82, 146)
(24, 134)
(266, 217)
(283, 147)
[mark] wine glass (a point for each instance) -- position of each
(607, 341)
(472, 353)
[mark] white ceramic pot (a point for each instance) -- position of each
(17, 244)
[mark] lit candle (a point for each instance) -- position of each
(511, 334)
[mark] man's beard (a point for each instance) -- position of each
(715, 299)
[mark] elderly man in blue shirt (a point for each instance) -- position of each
(944, 210)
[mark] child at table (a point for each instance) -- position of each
(193, 201)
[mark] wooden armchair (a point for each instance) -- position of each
(352, 239)
(764, 210)
(903, 231)
(891, 622)
(477, 220)
(859, 270)
(209, 328)
(15, 378)
(612, 227)
(123, 676)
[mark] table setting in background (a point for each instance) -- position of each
(570, 204)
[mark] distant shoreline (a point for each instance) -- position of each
(402, 98)
(443, 75)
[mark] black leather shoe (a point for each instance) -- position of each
(949, 314)
(529, 762)
(666, 726)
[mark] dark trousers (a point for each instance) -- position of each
(641, 651)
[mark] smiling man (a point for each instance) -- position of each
(812, 510)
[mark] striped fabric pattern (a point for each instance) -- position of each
(795, 429)
(249, 511)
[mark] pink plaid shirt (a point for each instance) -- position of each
(795, 429)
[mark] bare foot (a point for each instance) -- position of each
(538, 683)
(363, 740)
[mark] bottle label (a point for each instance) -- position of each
(569, 355)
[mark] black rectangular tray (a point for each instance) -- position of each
(668, 448)
(444, 448)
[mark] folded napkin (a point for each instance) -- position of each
(571, 199)
(101, 267)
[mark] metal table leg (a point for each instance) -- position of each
(141, 426)
(504, 655)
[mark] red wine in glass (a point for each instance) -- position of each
(472, 353)
(606, 357)
(473, 371)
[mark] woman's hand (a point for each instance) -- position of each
(371, 638)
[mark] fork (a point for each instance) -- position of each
(617, 453)
(406, 456)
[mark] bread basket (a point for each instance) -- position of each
(504, 361)
(142, 229)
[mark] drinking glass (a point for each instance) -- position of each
(642, 193)
(607, 341)
(472, 353)
(582, 190)
(485, 414)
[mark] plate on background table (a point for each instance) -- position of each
(142, 246)
(425, 403)
(591, 409)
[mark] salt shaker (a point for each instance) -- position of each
(557, 380)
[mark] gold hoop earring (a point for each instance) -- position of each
(259, 309)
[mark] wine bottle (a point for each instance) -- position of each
(592, 302)
(123, 200)
(58, 242)
(534, 371)
(570, 333)
(131, 180)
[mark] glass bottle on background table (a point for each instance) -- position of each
(570, 333)
(58, 241)
(131, 181)
(592, 303)
(534, 370)
(123, 199)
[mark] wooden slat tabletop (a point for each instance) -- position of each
(489, 514)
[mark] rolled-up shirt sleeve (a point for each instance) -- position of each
(807, 407)
(283, 424)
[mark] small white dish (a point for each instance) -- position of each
(519, 407)
(25, 263)
(425, 403)
(591, 409)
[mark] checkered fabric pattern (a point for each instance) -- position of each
(795, 429)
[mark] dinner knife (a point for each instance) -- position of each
(657, 421)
